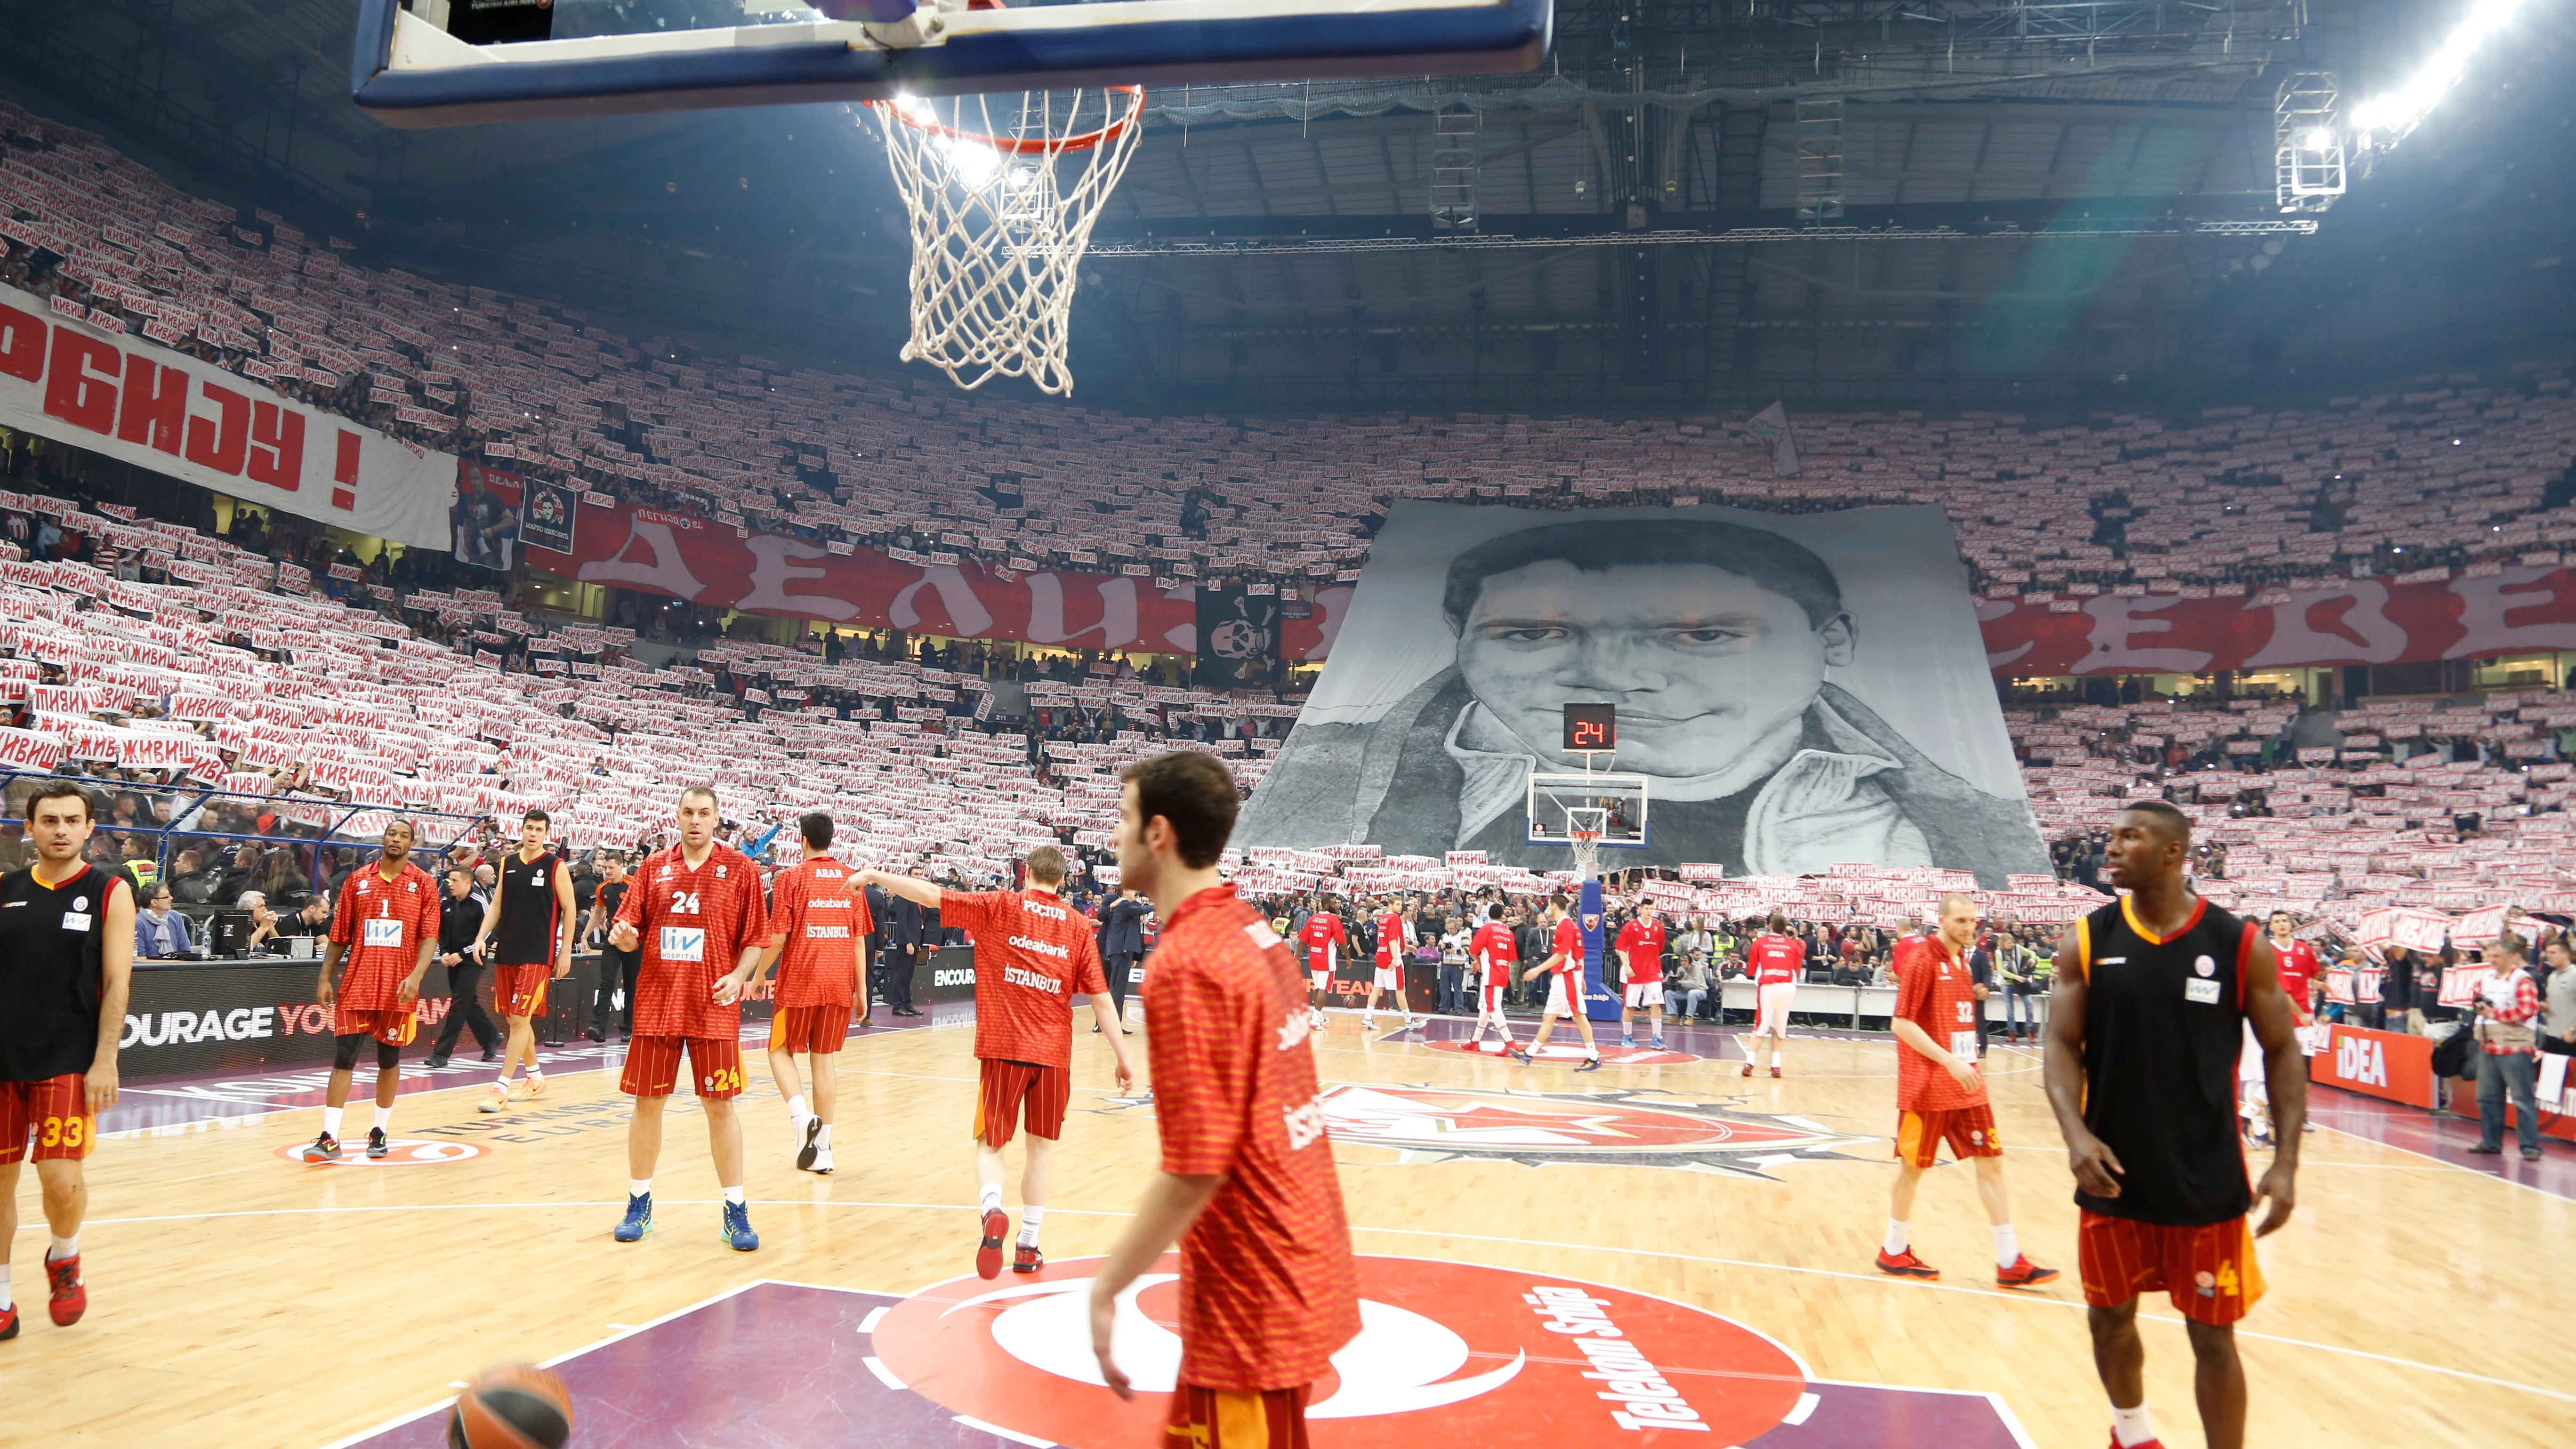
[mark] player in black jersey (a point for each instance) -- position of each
(527, 941)
(2145, 1025)
(66, 961)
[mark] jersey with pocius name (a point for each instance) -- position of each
(1033, 955)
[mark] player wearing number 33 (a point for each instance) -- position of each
(696, 914)
(66, 959)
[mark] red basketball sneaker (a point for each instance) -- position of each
(1906, 1265)
(1027, 1259)
(70, 1299)
(2142, 1444)
(8, 1323)
(2023, 1274)
(988, 1253)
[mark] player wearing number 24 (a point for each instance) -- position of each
(1712, 639)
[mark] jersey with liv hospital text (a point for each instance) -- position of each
(1932, 991)
(694, 924)
(822, 921)
(1775, 960)
(1268, 1288)
(382, 923)
(1321, 933)
(1643, 940)
(1033, 954)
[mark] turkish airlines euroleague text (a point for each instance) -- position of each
(695, 924)
(1033, 953)
(1268, 1289)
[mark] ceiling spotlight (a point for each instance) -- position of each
(2320, 139)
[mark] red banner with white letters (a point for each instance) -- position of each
(2486, 610)
(705, 561)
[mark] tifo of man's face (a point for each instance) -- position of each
(1701, 663)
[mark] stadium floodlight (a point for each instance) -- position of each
(2385, 119)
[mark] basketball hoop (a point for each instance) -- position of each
(1583, 828)
(999, 226)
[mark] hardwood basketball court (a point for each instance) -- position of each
(242, 1298)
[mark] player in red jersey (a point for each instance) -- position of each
(1774, 958)
(1397, 935)
(1492, 952)
(696, 914)
(67, 941)
(1564, 969)
(1325, 941)
(1033, 953)
(2300, 971)
(1941, 1094)
(818, 942)
(526, 938)
(386, 925)
(1268, 1290)
(1639, 949)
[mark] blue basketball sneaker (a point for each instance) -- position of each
(639, 1218)
(737, 1231)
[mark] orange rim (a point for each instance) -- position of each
(1011, 147)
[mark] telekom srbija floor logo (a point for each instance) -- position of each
(1477, 1354)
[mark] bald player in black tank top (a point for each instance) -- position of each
(2145, 1025)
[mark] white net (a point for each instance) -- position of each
(1583, 826)
(1003, 191)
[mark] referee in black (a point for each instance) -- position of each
(616, 968)
(459, 917)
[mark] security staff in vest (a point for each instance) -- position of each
(1122, 945)
(899, 950)
(460, 917)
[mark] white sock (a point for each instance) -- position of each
(733, 1195)
(6, 1302)
(991, 1197)
(1030, 1217)
(796, 1109)
(384, 1118)
(823, 1139)
(639, 1187)
(61, 1248)
(2007, 1248)
(331, 1121)
(1895, 1244)
(2131, 1426)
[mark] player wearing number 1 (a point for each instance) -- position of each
(66, 959)
(386, 928)
(696, 914)
(1941, 1094)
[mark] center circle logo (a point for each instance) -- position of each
(1472, 1353)
(399, 1152)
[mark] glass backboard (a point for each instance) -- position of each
(1614, 805)
(465, 62)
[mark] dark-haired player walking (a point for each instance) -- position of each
(66, 961)
(818, 941)
(386, 927)
(2152, 998)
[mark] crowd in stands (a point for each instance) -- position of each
(2459, 471)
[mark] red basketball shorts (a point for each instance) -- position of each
(817, 1029)
(653, 1065)
(1227, 1419)
(1012, 1089)
(1970, 1131)
(520, 990)
(2209, 1272)
(53, 1113)
(395, 1027)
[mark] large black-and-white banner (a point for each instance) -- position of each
(1800, 691)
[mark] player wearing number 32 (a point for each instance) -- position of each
(1941, 1095)
(66, 959)
(696, 914)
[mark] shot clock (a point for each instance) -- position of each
(1591, 729)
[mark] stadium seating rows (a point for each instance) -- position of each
(2436, 478)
